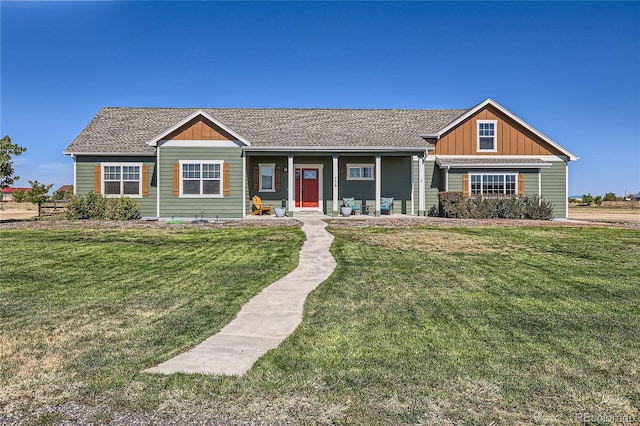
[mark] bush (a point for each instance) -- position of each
(94, 206)
(587, 198)
(456, 205)
(610, 196)
(598, 199)
(19, 195)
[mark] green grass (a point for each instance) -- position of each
(82, 312)
(416, 326)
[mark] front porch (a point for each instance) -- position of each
(318, 182)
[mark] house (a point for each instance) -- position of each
(7, 193)
(179, 162)
(64, 188)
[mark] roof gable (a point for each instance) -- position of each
(538, 136)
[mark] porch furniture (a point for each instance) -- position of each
(259, 208)
(351, 202)
(386, 205)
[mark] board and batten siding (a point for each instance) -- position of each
(513, 138)
(86, 178)
(173, 206)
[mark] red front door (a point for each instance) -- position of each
(307, 184)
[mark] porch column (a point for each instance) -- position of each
(335, 186)
(421, 186)
(378, 185)
(291, 172)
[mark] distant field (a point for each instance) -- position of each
(605, 214)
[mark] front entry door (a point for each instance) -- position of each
(307, 187)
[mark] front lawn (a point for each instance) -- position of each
(421, 325)
(83, 311)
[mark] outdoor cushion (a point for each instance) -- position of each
(386, 203)
(351, 202)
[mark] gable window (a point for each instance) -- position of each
(201, 178)
(487, 135)
(267, 181)
(359, 171)
(490, 185)
(121, 179)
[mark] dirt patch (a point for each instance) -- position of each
(17, 214)
(143, 224)
(399, 221)
(605, 214)
(425, 240)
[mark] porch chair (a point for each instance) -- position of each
(386, 205)
(351, 202)
(259, 208)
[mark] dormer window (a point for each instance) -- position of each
(487, 135)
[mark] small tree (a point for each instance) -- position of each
(38, 193)
(7, 149)
(598, 199)
(587, 198)
(610, 196)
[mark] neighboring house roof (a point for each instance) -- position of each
(471, 163)
(129, 130)
(65, 188)
(10, 190)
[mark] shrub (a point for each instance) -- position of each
(19, 196)
(587, 198)
(450, 203)
(537, 208)
(94, 206)
(456, 205)
(610, 196)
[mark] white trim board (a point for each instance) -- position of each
(198, 144)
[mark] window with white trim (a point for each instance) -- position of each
(201, 178)
(267, 177)
(120, 179)
(487, 135)
(360, 172)
(491, 185)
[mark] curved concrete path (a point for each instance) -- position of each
(267, 319)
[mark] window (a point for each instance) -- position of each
(122, 179)
(267, 173)
(360, 172)
(486, 185)
(487, 135)
(202, 178)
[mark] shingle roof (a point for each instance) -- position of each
(127, 130)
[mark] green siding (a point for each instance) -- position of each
(181, 207)
(432, 185)
(85, 176)
(554, 181)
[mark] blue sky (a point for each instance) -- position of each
(572, 70)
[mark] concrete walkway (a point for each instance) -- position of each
(267, 319)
